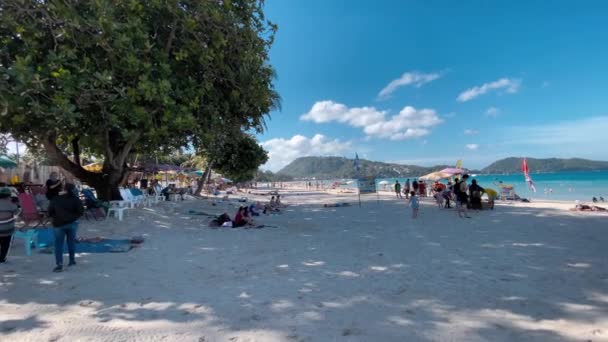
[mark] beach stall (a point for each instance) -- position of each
(435, 176)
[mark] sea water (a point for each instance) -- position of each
(562, 186)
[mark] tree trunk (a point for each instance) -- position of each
(200, 183)
(105, 183)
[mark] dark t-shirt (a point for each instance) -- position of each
(65, 209)
(52, 192)
(397, 187)
(415, 185)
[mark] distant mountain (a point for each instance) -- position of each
(513, 165)
(339, 167)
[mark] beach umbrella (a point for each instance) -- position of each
(435, 176)
(196, 173)
(453, 171)
(94, 167)
(7, 163)
(383, 182)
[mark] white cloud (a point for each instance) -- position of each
(492, 112)
(510, 85)
(471, 132)
(283, 151)
(409, 123)
(472, 146)
(415, 78)
(327, 111)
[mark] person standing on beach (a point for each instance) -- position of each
(53, 186)
(415, 186)
(65, 210)
(462, 199)
(8, 210)
(414, 204)
(407, 188)
(398, 189)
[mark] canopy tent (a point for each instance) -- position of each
(7, 163)
(453, 171)
(435, 176)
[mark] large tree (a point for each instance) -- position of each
(113, 77)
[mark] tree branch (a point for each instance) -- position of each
(76, 150)
(126, 149)
(171, 37)
(55, 154)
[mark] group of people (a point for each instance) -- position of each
(460, 191)
(64, 209)
(415, 186)
(244, 215)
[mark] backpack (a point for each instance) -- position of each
(456, 188)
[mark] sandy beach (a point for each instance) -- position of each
(522, 272)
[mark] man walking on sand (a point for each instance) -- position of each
(407, 188)
(462, 199)
(398, 189)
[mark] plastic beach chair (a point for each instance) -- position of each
(128, 197)
(94, 208)
(29, 212)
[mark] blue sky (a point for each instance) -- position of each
(477, 80)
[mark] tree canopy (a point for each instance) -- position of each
(112, 77)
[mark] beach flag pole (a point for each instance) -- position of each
(357, 168)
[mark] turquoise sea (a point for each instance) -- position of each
(550, 186)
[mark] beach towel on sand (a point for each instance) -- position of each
(101, 245)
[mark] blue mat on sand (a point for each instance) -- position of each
(103, 246)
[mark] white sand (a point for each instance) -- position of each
(525, 272)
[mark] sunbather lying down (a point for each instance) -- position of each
(584, 207)
(336, 205)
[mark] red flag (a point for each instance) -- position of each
(526, 171)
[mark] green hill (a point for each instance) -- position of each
(513, 165)
(339, 167)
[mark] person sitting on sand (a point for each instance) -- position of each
(584, 207)
(601, 199)
(168, 191)
(336, 205)
(253, 211)
(278, 203)
(594, 199)
(220, 220)
(241, 219)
